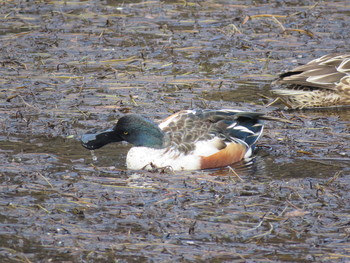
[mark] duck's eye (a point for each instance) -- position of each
(126, 133)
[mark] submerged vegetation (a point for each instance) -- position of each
(67, 67)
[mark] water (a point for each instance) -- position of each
(72, 66)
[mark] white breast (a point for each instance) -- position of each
(143, 158)
(140, 158)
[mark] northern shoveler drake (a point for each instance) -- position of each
(322, 82)
(187, 140)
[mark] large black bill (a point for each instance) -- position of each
(94, 141)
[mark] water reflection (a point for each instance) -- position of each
(57, 154)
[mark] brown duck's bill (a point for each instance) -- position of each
(94, 141)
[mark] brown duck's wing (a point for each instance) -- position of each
(325, 73)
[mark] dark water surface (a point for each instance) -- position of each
(67, 67)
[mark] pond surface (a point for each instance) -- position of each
(67, 67)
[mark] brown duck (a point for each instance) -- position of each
(323, 82)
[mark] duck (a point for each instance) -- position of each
(323, 82)
(186, 140)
